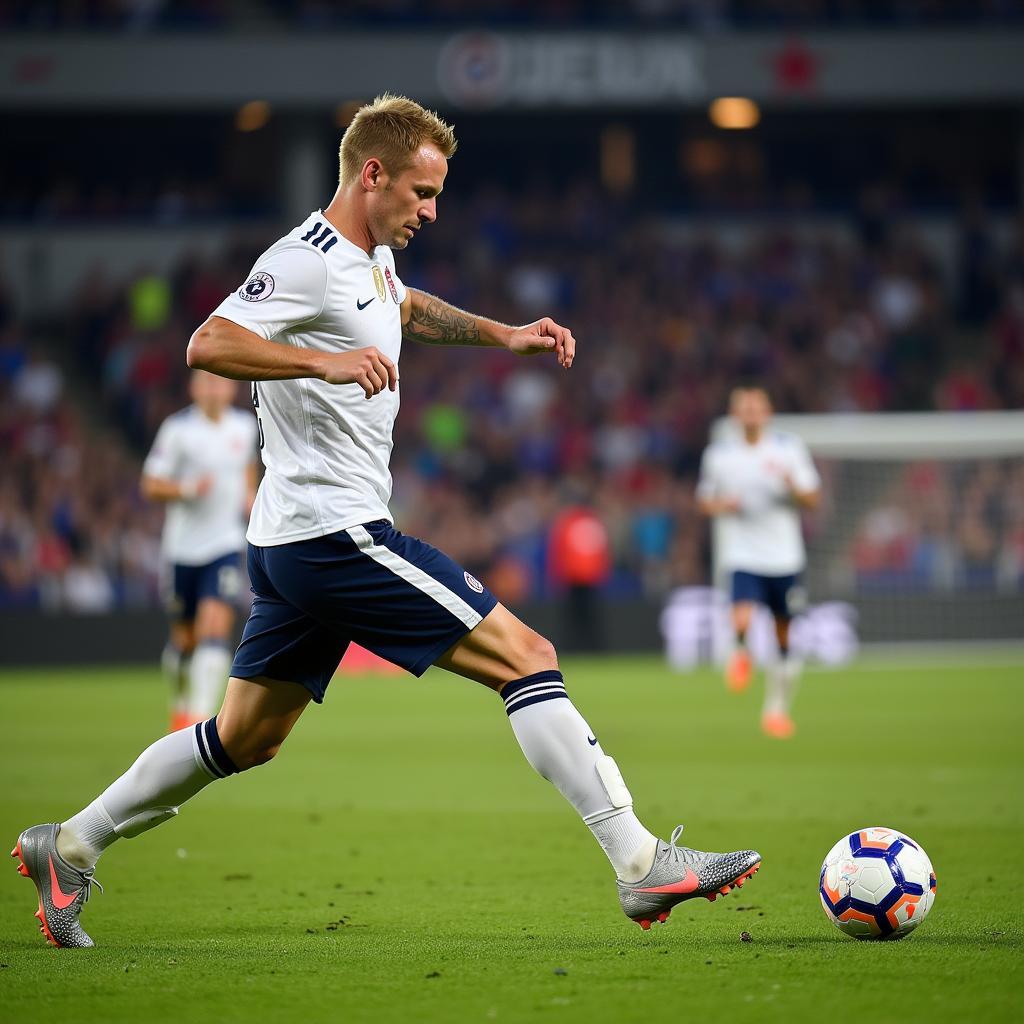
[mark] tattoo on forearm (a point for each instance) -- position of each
(437, 323)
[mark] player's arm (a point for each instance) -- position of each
(803, 481)
(155, 488)
(431, 321)
(709, 502)
(223, 347)
(163, 477)
(806, 499)
(712, 507)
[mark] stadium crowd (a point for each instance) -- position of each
(489, 449)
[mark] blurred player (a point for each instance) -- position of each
(318, 325)
(201, 465)
(756, 484)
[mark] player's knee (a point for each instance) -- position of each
(261, 755)
(253, 749)
(535, 653)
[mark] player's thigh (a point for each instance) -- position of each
(256, 717)
(501, 648)
(214, 619)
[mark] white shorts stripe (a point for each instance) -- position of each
(414, 575)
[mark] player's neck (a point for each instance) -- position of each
(213, 415)
(344, 216)
(752, 435)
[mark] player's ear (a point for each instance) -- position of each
(372, 174)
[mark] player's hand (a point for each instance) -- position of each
(544, 335)
(367, 367)
(730, 506)
(203, 486)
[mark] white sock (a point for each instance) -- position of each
(780, 685)
(166, 774)
(208, 676)
(175, 664)
(560, 746)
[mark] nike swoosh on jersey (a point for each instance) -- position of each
(363, 305)
(58, 898)
(592, 740)
(687, 883)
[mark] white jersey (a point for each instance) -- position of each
(189, 446)
(326, 447)
(764, 536)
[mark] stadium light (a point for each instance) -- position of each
(252, 116)
(734, 112)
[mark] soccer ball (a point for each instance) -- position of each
(877, 884)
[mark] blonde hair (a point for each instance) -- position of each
(391, 128)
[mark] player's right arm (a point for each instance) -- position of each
(155, 488)
(162, 476)
(229, 350)
(288, 286)
(709, 502)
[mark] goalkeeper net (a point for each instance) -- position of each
(921, 524)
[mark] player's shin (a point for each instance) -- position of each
(780, 683)
(176, 667)
(163, 777)
(560, 746)
(211, 664)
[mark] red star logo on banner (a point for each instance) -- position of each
(796, 67)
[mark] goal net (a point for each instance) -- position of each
(921, 525)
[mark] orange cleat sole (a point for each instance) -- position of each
(738, 884)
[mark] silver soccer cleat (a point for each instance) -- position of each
(679, 874)
(63, 889)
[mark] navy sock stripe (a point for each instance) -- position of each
(533, 688)
(220, 755)
(211, 767)
(510, 689)
(538, 698)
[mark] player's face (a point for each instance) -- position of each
(751, 409)
(409, 200)
(211, 393)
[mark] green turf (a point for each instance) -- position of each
(399, 861)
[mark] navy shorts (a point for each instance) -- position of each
(782, 594)
(189, 584)
(392, 594)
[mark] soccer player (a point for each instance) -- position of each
(202, 467)
(318, 325)
(756, 484)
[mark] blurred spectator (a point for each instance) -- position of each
(490, 449)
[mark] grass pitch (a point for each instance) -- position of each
(400, 861)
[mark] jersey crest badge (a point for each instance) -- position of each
(259, 286)
(378, 282)
(391, 284)
(471, 581)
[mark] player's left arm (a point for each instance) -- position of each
(428, 319)
(804, 499)
(803, 481)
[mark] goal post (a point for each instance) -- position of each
(921, 523)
